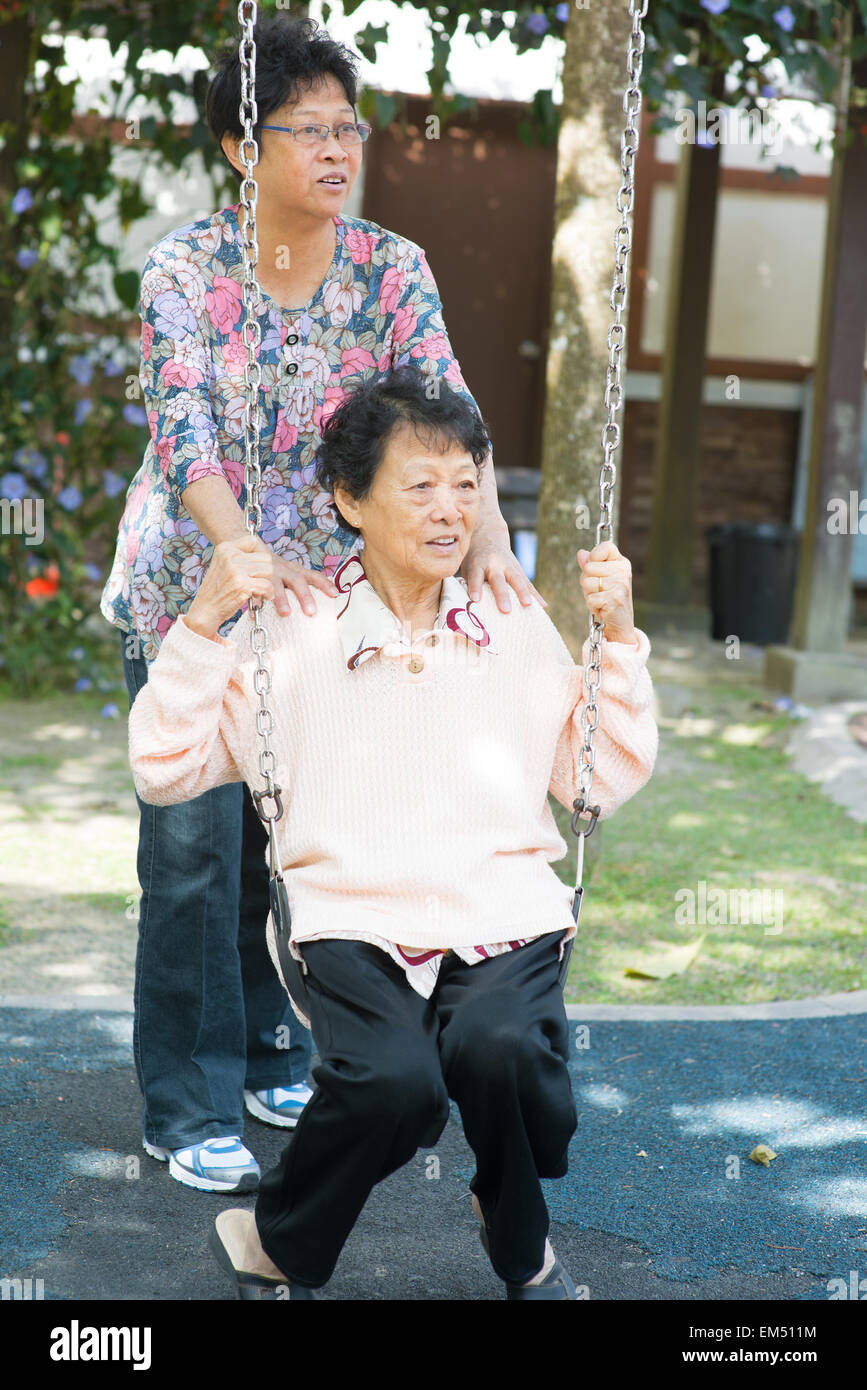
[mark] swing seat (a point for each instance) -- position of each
(293, 975)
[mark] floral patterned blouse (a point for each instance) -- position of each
(377, 308)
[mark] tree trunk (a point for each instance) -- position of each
(16, 45)
(586, 216)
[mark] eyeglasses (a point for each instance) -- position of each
(349, 133)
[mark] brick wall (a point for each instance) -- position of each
(747, 474)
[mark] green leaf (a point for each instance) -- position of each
(693, 82)
(386, 109)
(733, 40)
(126, 287)
(526, 134)
(546, 115)
(367, 39)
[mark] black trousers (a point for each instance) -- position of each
(493, 1036)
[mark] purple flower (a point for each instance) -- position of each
(82, 409)
(785, 19)
(150, 553)
(715, 6)
(93, 572)
(26, 259)
(135, 414)
(31, 459)
(81, 368)
(173, 314)
(536, 23)
(22, 201)
(769, 91)
(13, 485)
(70, 498)
(113, 483)
(82, 683)
(113, 368)
(562, 13)
(301, 477)
(271, 337)
(184, 528)
(279, 514)
(77, 654)
(109, 712)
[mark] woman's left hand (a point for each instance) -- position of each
(612, 605)
(490, 558)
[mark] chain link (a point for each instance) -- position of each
(251, 332)
(613, 395)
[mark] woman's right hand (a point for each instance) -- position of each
(247, 568)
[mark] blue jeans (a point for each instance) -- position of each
(211, 1015)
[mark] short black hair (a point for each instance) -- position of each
(290, 54)
(355, 437)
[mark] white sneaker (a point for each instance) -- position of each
(281, 1105)
(222, 1164)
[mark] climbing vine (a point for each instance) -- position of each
(72, 421)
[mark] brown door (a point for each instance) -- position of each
(481, 204)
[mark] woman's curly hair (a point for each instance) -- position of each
(291, 54)
(355, 437)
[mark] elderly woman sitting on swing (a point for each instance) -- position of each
(416, 736)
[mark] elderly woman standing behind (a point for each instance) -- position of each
(350, 300)
(417, 735)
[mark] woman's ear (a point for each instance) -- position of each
(346, 505)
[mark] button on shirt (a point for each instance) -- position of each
(378, 307)
(368, 627)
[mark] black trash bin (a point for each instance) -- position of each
(753, 570)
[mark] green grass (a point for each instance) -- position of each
(739, 818)
(112, 903)
(725, 807)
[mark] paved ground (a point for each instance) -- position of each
(827, 751)
(828, 743)
(661, 1201)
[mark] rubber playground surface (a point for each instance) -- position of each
(662, 1201)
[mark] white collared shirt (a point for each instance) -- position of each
(367, 625)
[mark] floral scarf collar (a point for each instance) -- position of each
(366, 625)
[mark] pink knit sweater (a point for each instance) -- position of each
(415, 801)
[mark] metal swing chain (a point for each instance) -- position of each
(248, 151)
(613, 400)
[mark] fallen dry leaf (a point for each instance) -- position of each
(763, 1154)
(670, 960)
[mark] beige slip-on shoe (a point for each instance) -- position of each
(235, 1244)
